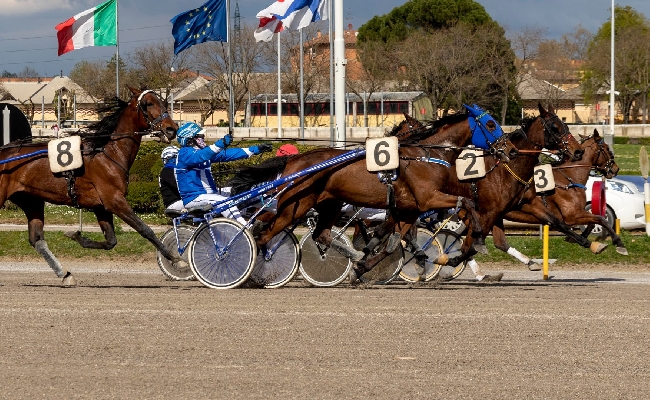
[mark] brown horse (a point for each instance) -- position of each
(568, 201)
(419, 184)
(505, 184)
(99, 184)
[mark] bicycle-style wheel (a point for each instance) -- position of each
(176, 272)
(323, 266)
(282, 265)
(432, 248)
(450, 243)
(222, 253)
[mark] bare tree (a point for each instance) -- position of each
(373, 70)
(212, 59)
(28, 72)
(155, 67)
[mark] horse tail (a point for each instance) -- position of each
(249, 176)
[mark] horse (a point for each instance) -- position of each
(108, 150)
(503, 186)
(568, 200)
(418, 184)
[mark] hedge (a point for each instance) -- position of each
(144, 192)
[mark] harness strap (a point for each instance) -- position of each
(517, 177)
(72, 189)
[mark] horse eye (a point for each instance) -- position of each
(491, 125)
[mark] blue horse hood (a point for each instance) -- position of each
(478, 119)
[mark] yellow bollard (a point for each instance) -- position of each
(617, 226)
(545, 253)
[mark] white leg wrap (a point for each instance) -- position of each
(42, 249)
(476, 269)
(518, 255)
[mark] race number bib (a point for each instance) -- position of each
(544, 180)
(65, 154)
(470, 164)
(382, 154)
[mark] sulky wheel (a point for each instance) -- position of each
(222, 253)
(278, 264)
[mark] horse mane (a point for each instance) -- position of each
(434, 126)
(527, 122)
(99, 132)
(248, 176)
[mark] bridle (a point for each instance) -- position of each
(607, 169)
(562, 141)
(154, 123)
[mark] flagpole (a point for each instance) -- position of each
(302, 89)
(279, 92)
(331, 37)
(117, 53)
(339, 87)
(231, 97)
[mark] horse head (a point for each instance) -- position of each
(488, 135)
(154, 115)
(557, 135)
(603, 158)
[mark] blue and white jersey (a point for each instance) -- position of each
(193, 169)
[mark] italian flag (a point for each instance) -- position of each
(94, 27)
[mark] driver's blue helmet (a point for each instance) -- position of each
(188, 131)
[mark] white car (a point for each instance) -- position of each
(624, 201)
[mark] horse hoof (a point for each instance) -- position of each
(492, 278)
(533, 266)
(181, 266)
(393, 241)
(597, 248)
(622, 250)
(72, 234)
(443, 259)
(69, 280)
(481, 248)
(348, 252)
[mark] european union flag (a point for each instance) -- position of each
(199, 25)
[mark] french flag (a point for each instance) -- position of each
(290, 14)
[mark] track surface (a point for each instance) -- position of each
(126, 332)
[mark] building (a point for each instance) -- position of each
(38, 98)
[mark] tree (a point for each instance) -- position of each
(98, 78)
(315, 70)
(450, 49)
(28, 72)
(631, 64)
(212, 59)
(151, 67)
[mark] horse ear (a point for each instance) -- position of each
(596, 134)
(542, 111)
(135, 91)
(583, 137)
(551, 110)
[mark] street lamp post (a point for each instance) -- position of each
(610, 140)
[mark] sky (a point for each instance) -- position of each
(28, 38)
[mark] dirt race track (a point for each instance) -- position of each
(126, 332)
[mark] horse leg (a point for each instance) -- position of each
(591, 220)
(105, 221)
(34, 210)
(328, 213)
(501, 243)
(120, 207)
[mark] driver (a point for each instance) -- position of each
(193, 174)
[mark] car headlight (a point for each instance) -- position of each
(620, 187)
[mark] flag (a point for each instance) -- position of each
(94, 27)
(290, 14)
(206, 23)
